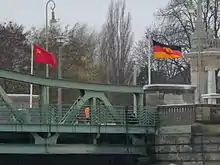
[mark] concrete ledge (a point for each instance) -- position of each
(159, 87)
(181, 129)
(211, 96)
(207, 129)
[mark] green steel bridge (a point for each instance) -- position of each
(49, 129)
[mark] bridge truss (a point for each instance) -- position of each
(47, 124)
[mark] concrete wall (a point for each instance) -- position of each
(189, 145)
(162, 94)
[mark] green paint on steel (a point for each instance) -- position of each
(100, 115)
(104, 116)
(71, 114)
(68, 84)
(11, 108)
(81, 128)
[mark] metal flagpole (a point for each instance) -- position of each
(199, 64)
(149, 60)
(135, 83)
(53, 20)
(32, 71)
(59, 91)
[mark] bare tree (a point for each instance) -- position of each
(116, 41)
(15, 54)
(177, 23)
(78, 50)
(169, 68)
(78, 45)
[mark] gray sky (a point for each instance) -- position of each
(93, 12)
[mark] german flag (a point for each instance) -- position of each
(166, 51)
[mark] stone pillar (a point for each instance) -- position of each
(211, 84)
(211, 81)
(202, 81)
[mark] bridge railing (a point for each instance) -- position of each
(99, 115)
(176, 114)
(188, 114)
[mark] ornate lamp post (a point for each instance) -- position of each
(53, 20)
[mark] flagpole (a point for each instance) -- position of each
(134, 83)
(32, 71)
(149, 60)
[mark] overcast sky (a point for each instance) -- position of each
(93, 12)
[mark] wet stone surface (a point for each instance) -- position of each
(189, 148)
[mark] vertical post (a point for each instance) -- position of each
(32, 71)
(149, 60)
(43, 100)
(140, 104)
(211, 84)
(199, 72)
(59, 90)
(47, 41)
(47, 47)
(93, 109)
(140, 99)
(199, 62)
(93, 118)
(135, 83)
(47, 90)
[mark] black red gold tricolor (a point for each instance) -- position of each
(166, 51)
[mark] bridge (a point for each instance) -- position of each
(50, 129)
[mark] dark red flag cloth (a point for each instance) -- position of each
(43, 56)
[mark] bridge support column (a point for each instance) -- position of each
(140, 99)
(211, 84)
(140, 104)
(44, 104)
(94, 118)
(139, 141)
(92, 102)
(47, 140)
(142, 161)
(93, 109)
(95, 138)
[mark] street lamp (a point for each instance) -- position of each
(59, 76)
(53, 20)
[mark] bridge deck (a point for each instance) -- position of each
(117, 129)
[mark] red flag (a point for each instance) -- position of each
(43, 56)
